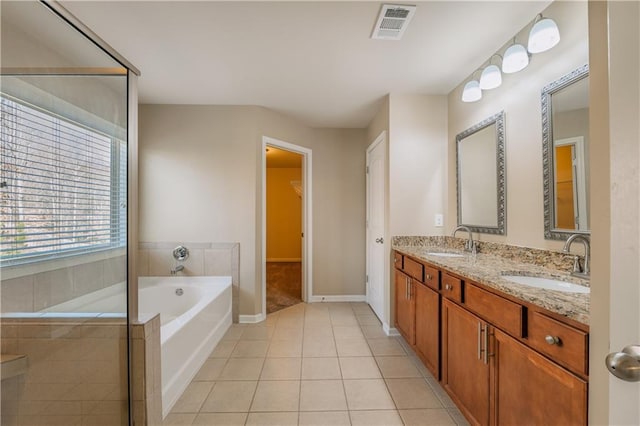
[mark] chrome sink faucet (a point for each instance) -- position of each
(582, 271)
(469, 245)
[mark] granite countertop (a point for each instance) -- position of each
(487, 269)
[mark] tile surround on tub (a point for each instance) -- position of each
(222, 259)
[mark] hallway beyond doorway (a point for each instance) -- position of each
(284, 284)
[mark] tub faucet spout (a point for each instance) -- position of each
(177, 269)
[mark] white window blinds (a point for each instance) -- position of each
(63, 186)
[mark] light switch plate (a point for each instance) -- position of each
(439, 220)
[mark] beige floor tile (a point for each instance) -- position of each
(277, 395)
(250, 349)
(318, 332)
(288, 333)
(359, 368)
(397, 367)
(386, 347)
(373, 332)
(347, 332)
(370, 319)
(281, 369)
(223, 349)
(234, 332)
(368, 394)
(210, 370)
(442, 395)
(242, 369)
(352, 347)
(179, 419)
(272, 419)
(375, 418)
(320, 368)
(361, 308)
(257, 333)
(345, 319)
(427, 417)
(324, 418)
(412, 393)
(318, 347)
(290, 322)
(226, 419)
(285, 348)
(193, 397)
(230, 397)
(322, 395)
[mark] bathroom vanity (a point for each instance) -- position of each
(506, 353)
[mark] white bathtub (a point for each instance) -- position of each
(192, 325)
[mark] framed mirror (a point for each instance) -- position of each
(480, 163)
(565, 155)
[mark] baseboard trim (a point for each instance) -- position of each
(284, 259)
(339, 298)
(390, 331)
(251, 319)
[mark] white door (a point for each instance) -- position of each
(375, 226)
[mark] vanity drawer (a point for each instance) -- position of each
(432, 277)
(398, 260)
(414, 269)
(497, 310)
(451, 287)
(566, 345)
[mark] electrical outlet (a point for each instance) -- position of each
(439, 220)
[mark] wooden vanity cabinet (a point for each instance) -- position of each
(427, 327)
(465, 368)
(405, 307)
(528, 388)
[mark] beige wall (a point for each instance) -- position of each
(519, 97)
(417, 172)
(284, 215)
(200, 178)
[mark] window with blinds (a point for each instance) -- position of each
(63, 186)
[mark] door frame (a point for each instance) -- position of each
(579, 183)
(307, 196)
(380, 139)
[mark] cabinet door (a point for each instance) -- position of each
(530, 389)
(427, 327)
(465, 374)
(405, 307)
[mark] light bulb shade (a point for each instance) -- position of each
(515, 59)
(543, 36)
(471, 92)
(491, 78)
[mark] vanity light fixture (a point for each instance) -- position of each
(471, 91)
(516, 58)
(491, 76)
(543, 35)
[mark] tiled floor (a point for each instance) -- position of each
(314, 364)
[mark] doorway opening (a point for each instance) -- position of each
(286, 218)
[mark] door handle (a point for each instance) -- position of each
(625, 365)
(380, 240)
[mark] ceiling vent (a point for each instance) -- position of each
(393, 21)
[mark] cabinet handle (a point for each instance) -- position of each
(479, 340)
(486, 344)
(552, 340)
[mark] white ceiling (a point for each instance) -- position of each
(310, 60)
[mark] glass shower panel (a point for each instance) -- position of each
(63, 224)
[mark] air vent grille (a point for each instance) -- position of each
(393, 21)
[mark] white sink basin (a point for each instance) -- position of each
(444, 254)
(547, 283)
